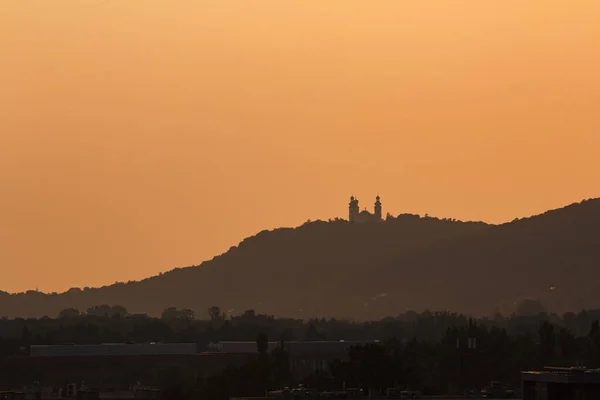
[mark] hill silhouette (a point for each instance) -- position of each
(371, 270)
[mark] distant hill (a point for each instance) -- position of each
(372, 270)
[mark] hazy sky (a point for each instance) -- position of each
(141, 135)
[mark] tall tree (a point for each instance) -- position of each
(262, 344)
(214, 313)
(69, 313)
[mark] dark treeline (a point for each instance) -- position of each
(426, 351)
(104, 323)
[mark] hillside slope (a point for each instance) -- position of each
(554, 257)
(372, 270)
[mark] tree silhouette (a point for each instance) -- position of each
(313, 335)
(262, 344)
(214, 313)
(547, 341)
(173, 314)
(594, 344)
(186, 314)
(25, 335)
(69, 313)
(105, 310)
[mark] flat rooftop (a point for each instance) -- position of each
(294, 347)
(107, 349)
(563, 375)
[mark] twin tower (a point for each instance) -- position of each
(355, 215)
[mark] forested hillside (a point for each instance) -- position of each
(372, 270)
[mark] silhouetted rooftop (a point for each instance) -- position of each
(106, 349)
(563, 375)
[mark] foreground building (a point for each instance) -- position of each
(119, 366)
(111, 366)
(305, 357)
(561, 384)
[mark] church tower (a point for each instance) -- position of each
(353, 209)
(378, 208)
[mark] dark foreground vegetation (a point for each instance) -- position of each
(428, 351)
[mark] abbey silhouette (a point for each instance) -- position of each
(355, 215)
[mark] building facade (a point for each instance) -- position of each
(305, 357)
(561, 384)
(111, 366)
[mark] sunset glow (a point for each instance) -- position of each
(139, 136)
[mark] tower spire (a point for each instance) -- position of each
(353, 209)
(378, 215)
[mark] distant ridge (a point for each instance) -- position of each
(372, 270)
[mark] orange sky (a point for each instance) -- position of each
(141, 135)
